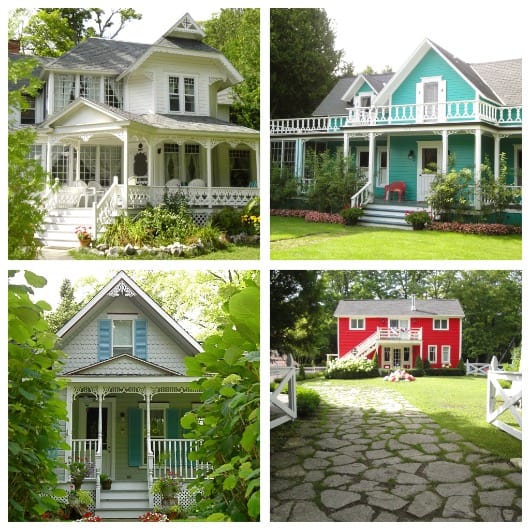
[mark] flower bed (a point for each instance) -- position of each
(399, 375)
(475, 228)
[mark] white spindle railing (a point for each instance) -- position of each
(450, 111)
(171, 455)
(84, 450)
(399, 334)
(362, 197)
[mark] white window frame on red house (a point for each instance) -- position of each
(432, 348)
(440, 326)
(446, 354)
(359, 323)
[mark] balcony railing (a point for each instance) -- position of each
(84, 450)
(448, 112)
(399, 334)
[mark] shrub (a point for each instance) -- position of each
(352, 369)
(301, 373)
(176, 203)
(319, 217)
(228, 220)
(351, 215)
(450, 193)
(286, 212)
(210, 236)
(421, 217)
(283, 185)
(307, 401)
(163, 226)
(419, 366)
(444, 372)
(478, 228)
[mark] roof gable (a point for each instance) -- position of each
(123, 285)
(123, 365)
(463, 69)
(399, 307)
(185, 28)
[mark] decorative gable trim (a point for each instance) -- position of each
(355, 86)
(121, 288)
(123, 365)
(186, 28)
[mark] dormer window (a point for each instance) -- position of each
(182, 94)
(365, 101)
(27, 116)
(122, 337)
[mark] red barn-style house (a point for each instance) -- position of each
(400, 331)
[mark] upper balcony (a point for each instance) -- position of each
(453, 112)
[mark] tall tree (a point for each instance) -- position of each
(66, 309)
(236, 33)
(303, 60)
(34, 406)
(26, 177)
(50, 32)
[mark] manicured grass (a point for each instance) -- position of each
(295, 239)
(455, 403)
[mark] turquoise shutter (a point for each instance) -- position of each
(135, 437)
(173, 423)
(104, 339)
(140, 339)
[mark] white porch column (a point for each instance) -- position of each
(496, 156)
(99, 452)
(49, 163)
(150, 455)
(346, 145)
(371, 159)
(478, 156)
(68, 433)
(445, 151)
(299, 158)
(150, 163)
(256, 149)
(124, 162)
(209, 172)
(77, 175)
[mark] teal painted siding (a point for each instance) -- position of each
(400, 167)
(365, 88)
(433, 65)
(462, 148)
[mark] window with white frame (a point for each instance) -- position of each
(441, 324)
(182, 93)
(112, 92)
(356, 323)
(446, 354)
(432, 353)
(239, 167)
(64, 91)
(109, 163)
(88, 163)
(386, 354)
(27, 115)
(431, 97)
(171, 162)
(37, 152)
(89, 87)
(192, 161)
(122, 337)
(60, 163)
(157, 424)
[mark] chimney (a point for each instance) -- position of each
(413, 303)
(13, 46)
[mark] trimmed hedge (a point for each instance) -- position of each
(444, 371)
(307, 401)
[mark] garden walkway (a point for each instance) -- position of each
(374, 457)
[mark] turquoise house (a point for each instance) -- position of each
(434, 113)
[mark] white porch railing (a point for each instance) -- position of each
(450, 111)
(510, 399)
(171, 455)
(84, 450)
(413, 334)
(362, 197)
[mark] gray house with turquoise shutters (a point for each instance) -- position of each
(125, 392)
(434, 113)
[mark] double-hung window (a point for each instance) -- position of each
(182, 93)
(441, 324)
(122, 337)
(356, 323)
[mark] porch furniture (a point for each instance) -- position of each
(95, 190)
(173, 183)
(398, 187)
(196, 183)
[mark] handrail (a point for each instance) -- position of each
(105, 208)
(362, 197)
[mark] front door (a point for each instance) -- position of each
(401, 358)
(429, 163)
(91, 431)
(382, 167)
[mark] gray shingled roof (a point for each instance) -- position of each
(185, 44)
(505, 78)
(100, 55)
(399, 308)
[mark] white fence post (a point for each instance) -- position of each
(288, 378)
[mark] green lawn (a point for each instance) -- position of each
(293, 238)
(455, 403)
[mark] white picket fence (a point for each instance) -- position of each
(477, 368)
(510, 399)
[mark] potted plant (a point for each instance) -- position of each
(167, 487)
(418, 219)
(106, 481)
(84, 235)
(78, 472)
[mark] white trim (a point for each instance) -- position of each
(434, 320)
(446, 348)
(181, 76)
(435, 346)
(363, 320)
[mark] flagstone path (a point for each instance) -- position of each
(374, 457)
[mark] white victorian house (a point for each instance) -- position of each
(125, 392)
(119, 123)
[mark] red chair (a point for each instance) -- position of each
(398, 187)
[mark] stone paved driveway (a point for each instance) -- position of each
(373, 457)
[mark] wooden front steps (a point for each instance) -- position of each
(389, 214)
(125, 500)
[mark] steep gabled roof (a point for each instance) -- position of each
(505, 78)
(399, 308)
(122, 284)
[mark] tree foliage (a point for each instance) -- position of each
(34, 406)
(303, 60)
(228, 418)
(66, 309)
(51, 32)
(236, 33)
(26, 177)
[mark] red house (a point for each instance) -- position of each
(400, 331)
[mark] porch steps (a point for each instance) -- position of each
(125, 500)
(60, 225)
(387, 214)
